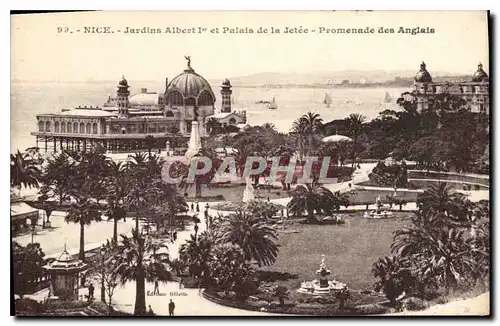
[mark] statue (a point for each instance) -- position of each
(195, 113)
(188, 58)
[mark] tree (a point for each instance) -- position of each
(262, 209)
(437, 251)
(307, 129)
(23, 171)
(355, 122)
(394, 176)
(139, 259)
(27, 265)
(257, 240)
(57, 177)
(310, 197)
(282, 293)
(442, 199)
(182, 170)
(116, 186)
(83, 212)
(195, 254)
(229, 272)
(390, 275)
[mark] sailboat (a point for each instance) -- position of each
(387, 98)
(327, 100)
(272, 105)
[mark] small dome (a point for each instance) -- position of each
(423, 75)
(480, 75)
(226, 82)
(123, 82)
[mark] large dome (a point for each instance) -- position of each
(480, 75)
(423, 75)
(192, 88)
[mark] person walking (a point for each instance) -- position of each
(197, 207)
(91, 292)
(192, 207)
(150, 311)
(157, 288)
(175, 236)
(171, 307)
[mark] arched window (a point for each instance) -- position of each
(205, 98)
(191, 101)
(69, 128)
(175, 98)
(75, 127)
(88, 128)
(232, 121)
(40, 125)
(94, 128)
(63, 127)
(82, 128)
(56, 126)
(47, 126)
(124, 131)
(169, 114)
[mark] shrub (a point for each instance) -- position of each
(27, 305)
(414, 304)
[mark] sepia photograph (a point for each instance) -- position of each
(250, 163)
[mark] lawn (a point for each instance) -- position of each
(349, 250)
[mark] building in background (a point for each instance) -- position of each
(144, 121)
(475, 92)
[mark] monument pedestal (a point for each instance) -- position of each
(195, 140)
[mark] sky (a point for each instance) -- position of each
(40, 53)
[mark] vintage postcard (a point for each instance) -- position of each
(250, 163)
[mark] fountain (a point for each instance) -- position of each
(321, 285)
(249, 192)
(379, 212)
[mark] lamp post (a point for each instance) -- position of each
(103, 293)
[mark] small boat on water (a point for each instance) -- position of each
(262, 102)
(358, 102)
(327, 100)
(387, 98)
(272, 105)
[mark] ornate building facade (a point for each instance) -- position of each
(475, 92)
(143, 121)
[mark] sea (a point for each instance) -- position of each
(31, 98)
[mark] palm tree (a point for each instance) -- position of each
(437, 251)
(200, 179)
(213, 126)
(307, 128)
(443, 199)
(23, 171)
(140, 260)
(310, 197)
(391, 277)
(83, 211)
(117, 185)
(257, 240)
(269, 127)
(355, 122)
(195, 254)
